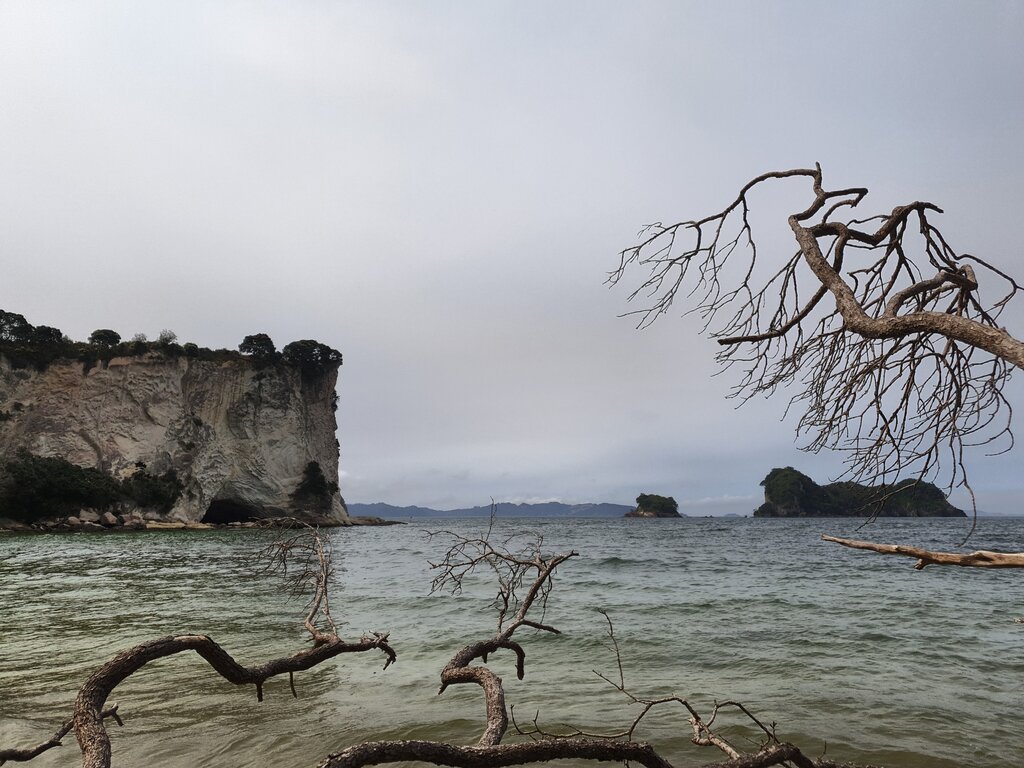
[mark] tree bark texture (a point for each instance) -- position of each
(925, 557)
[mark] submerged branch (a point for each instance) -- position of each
(92, 735)
(315, 571)
(438, 753)
(25, 754)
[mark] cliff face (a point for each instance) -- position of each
(240, 436)
(789, 493)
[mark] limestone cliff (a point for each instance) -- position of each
(241, 436)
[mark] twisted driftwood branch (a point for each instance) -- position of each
(525, 579)
(28, 753)
(516, 597)
(305, 548)
(493, 756)
(925, 557)
(88, 726)
(598, 750)
(517, 594)
(771, 751)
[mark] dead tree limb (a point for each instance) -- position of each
(889, 337)
(925, 557)
(439, 753)
(88, 726)
(309, 557)
(517, 595)
(771, 750)
(525, 577)
(28, 753)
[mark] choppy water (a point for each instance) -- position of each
(850, 652)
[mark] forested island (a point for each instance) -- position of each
(653, 505)
(790, 493)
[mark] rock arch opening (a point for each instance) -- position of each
(223, 511)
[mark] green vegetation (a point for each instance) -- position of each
(789, 493)
(311, 357)
(34, 487)
(314, 491)
(104, 337)
(659, 506)
(156, 492)
(14, 328)
(28, 346)
(259, 346)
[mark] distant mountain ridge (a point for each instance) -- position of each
(504, 509)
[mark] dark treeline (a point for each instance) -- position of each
(37, 346)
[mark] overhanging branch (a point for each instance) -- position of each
(900, 372)
(925, 557)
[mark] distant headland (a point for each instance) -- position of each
(501, 509)
(101, 433)
(789, 493)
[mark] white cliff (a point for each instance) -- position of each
(239, 434)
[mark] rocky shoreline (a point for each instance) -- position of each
(90, 521)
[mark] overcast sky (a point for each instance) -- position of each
(438, 189)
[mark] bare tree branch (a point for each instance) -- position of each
(901, 372)
(314, 573)
(925, 557)
(28, 753)
(92, 735)
(525, 576)
(511, 569)
(439, 753)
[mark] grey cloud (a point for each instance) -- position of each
(440, 189)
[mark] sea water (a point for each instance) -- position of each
(851, 654)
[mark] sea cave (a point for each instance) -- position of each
(222, 511)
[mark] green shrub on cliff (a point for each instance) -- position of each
(24, 346)
(314, 492)
(34, 487)
(157, 492)
(311, 357)
(104, 337)
(14, 328)
(259, 346)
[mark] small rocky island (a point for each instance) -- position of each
(112, 433)
(653, 505)
(789, 493)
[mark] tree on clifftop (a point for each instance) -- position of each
(259, 345)
(14, 327)
(47, 334)
(311, 356)
(104, 337)
(890, 338)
